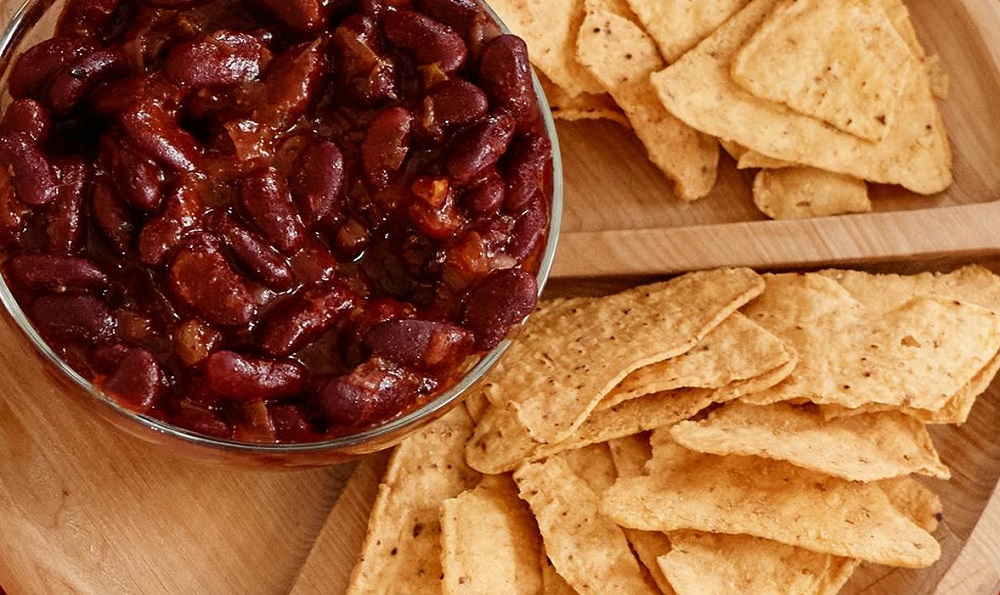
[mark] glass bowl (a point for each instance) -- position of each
(35, 21)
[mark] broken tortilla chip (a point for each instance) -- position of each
(679, 25)
(585, 106)
(803, 192)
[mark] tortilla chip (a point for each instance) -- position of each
(621, 56)
(585, 106)
(859, 448)
(750, 159)
(710, 564)
(839, 61)
(699, 90)
(679, 25)
(802, 192)
(475, 405)
(563, 364)
(552, 582)
(768, 499)
(938, 74)
(735, 350)
(883, 292)
(918, 355)
(490, 541)
(592, 464)
(402, 550)
(549, 28)
(913, 499)
(739, 388)
(587, 550)
(630, 454)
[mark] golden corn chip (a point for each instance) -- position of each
(883, 292)
(622, 56)
(549, 28)
(678, 25)
(938, 73)
(710, 564)
(699, 90)
(750, 159)
(402, 549)
(501, 443)
(860, 448)
(565, 362)
(552, 582)
(475, 405)
(587, 549)
(802, 192)
(769, 499)
(917, 355)
(585, 106)
(490, 541)
(839, 61)
(739, 388)
(630, 454)
(592, 464)
(913, 499)
(737, 349)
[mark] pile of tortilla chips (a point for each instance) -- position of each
(820, 97)
(719, 432)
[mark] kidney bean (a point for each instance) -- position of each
(261, 260)
(63, 226)
(314, 263)
(298, 15)
(174, 4)
(420, 344)
(524, 167)
(477, 147)
(457, 14)
(138, 179)
(318, 182)
(291, 424)
(265, 197)
(193, 340)
(426, 40)
(218, 59)
(199, 418)
(138, 381)
(292, 81)
(303, 317)
(182, 213)
(13, 213)
(27, 116)
(113, 97)
(385, 146)
(482, 199)
(113, 219)
(451, 104)
(361, 70)
(502, 300)
(505, 76)
(36, 66)
(77, 79)
(371, 392)
(244, 378)
(202, 279)
(433, 209)
(156, 132)
(73, 316)
(33, 175)
(55, 272)
(529, 228)
(86, 18)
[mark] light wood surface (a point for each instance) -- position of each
(86, 509)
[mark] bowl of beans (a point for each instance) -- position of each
(286, 232)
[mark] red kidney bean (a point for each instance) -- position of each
(139, 180)
(385, 146)
(477, 147)
(86, 18)
(299, 15)
(502, 300)
(457, 14)
(292, 80)
(138, 380)
(34, 177)
(182, 213)
(505, 76)
(174, 4)
(371, 392)
(426, 40)
(420, 344)
(433, 209)
(55, 272)
(451, 104)
(156, 132)
(524, 167)
(218, 59)
(261, 260)
(77, 79)
(39, 63)
(362, 71)
(63, 226)
(529, 228)
(265, 197)
(302, 318)
(27, 116)
(200, 419)
(314, 263)
(201, 277)
(113, 219)
(291, 424)
(73, 316)
(193, 340)
(482, 199)
(113, 97)
(244, 378)
(318, 182)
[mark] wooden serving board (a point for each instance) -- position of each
(87, 509)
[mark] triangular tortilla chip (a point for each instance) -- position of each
(678, 25)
